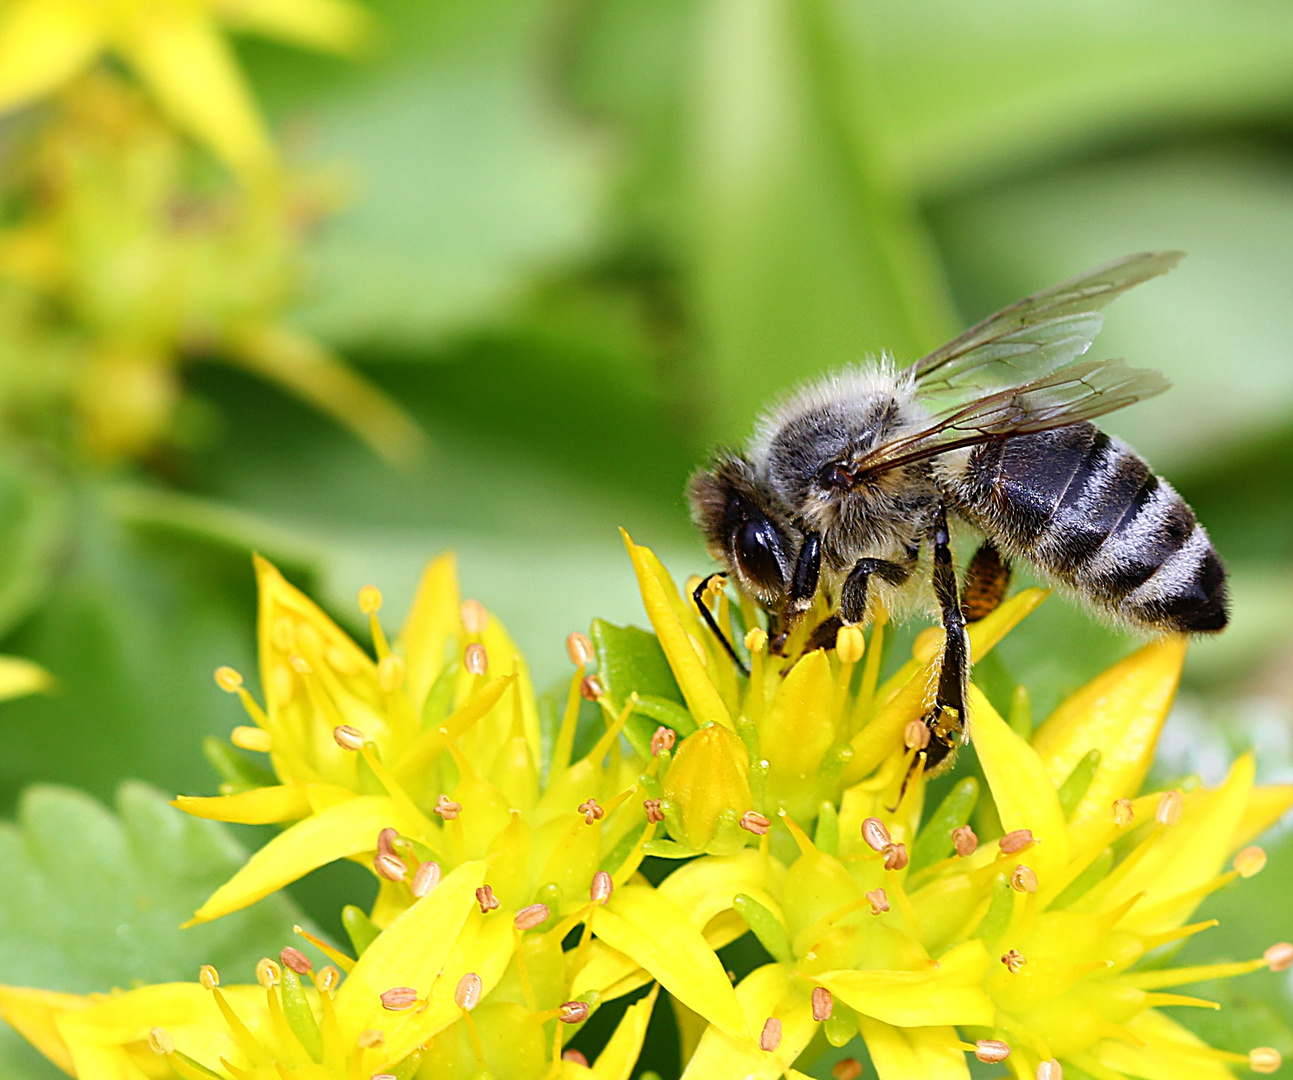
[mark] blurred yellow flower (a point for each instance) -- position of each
(177, 49)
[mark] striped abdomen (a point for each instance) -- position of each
(1087, 511)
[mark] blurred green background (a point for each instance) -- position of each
(579, 242)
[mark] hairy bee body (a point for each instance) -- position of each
(1089, 513)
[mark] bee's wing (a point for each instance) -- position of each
(1080, 391)
(1039, 333)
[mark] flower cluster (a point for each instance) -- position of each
(1031, 931)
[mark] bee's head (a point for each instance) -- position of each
(745, 528)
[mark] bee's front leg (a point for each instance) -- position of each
(803, 588)
(946, 720)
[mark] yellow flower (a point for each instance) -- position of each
(928, 943)
(213, 268)
(426, 757)
(444, 989)
(177, 50)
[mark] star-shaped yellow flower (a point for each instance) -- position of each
(176, 48)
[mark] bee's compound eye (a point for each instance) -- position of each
(759, 551)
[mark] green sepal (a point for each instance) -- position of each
(233, 767)
(842, 1024)
(826, 838)
(1000, 910)
(631, 661)
(766, 926)
(359, 928)
(1078, 781)
(934, 842)
(1096, 872)
(299, 1015)
(439, 699)
(615, 857)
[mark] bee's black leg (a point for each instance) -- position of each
(698, 595)
(986, 580)
(803, 582)
(946, 721)
(853, 594)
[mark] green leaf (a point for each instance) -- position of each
(33, 518)
(93, 900)
(630, 661)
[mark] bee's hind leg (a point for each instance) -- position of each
(698, 595)
(986, 580)
(946, 720)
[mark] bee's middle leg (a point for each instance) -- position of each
(946, 720)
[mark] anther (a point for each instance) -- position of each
(823, 1003)
(875, 834)
(1022, 879)
(573, 1012)
(1264, 1059)
(754, 822)
(486, 899)
(756, 639)
(399, 998)
(386, 841)
(1123, 815)
(654, 813)
(160, 1042)
(579, 648)
(895, 857)
(847, 1069)
(296, 960)
(390, 673)
(663, 739)
(251, 738)
(447, 808)
(370, 599)
(1015, 842)
(879, 901)
(208, 977)
(530, 917)
(915, 736)
(369, 1039)
(849, 644)
(348, 737)
(229, 680)
(475, 659)
(1014, 961)
(591, 811)
(390, 867)
(1250, 862)
(991, 1051)
(467, 993)
(474, 617)
(425, 878)
(327, 978)
(575, 1056)
(602, 887)
(268, 973)
(591, 689)
(965, 841)
(770, 1036)
(1169, 808)
(1050, 1070)
(1279, 957)
(300, 664)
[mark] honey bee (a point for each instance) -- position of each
(851, 477)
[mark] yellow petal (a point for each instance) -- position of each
(1024, 794)
(260, 806)
(43, 43)
(653, 580)
(1266, 805)
(616, 1061)
(338, 832)
(19, 677)
(330, 25)
(927, 1053)
(608, 972)
(704, 888)
(310, 371)
(1120, 713)
(1165, 1055)
(432, 622)
(796, 733)
(1186, 855)
(937, 995)
(642, 924)
(412, 951)
(765, 992)
(34, 1015)
(181, 55)
(883, 733)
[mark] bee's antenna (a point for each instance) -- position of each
(698, 594)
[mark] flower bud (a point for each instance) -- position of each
(709, 775)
